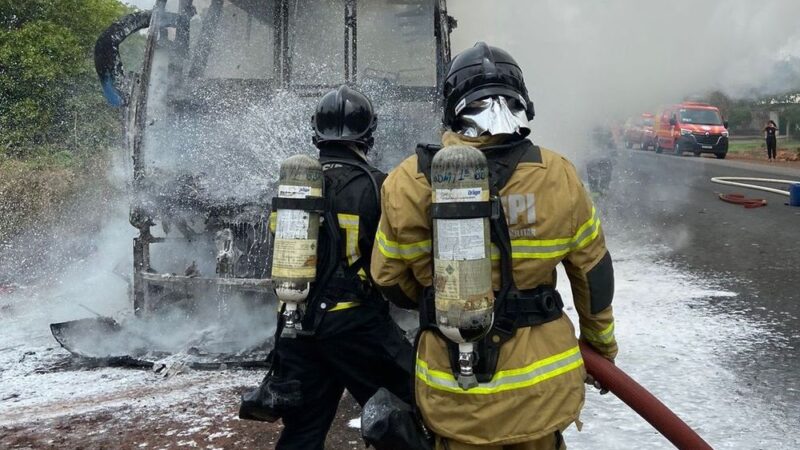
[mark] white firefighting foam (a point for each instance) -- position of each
(672, 340)
(678, 347)
(681, 351)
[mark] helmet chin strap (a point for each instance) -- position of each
(492, 116)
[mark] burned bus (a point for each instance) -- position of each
(225, 93)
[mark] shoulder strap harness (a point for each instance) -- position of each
(336, 273)
(513, 308)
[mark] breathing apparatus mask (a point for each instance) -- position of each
(492, 116)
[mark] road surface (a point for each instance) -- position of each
(707, 313)
(670, 201)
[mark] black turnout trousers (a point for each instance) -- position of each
(359, 349)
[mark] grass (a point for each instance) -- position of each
(759, 146)
(36, 188)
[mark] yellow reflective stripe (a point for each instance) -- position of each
(588, 239)
(395, 250)
(520, 248)
(602, 337)
(553, 248)
(352, 246)
(273, 221)
(344, 305)
(505, 380)
(347, 221)
(588, 224)
(588, 232)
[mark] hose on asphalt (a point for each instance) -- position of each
(736, 181)
(640, 400)
(739, 199)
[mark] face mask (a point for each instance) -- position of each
(492, 116)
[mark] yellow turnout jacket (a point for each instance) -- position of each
(538, 386)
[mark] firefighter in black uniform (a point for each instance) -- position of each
(353, 343)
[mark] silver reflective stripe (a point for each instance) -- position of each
(504, 380)
(565, 247)
(552, 248)
(394, 250)
(588, 232)
(602, 337)
(346, 222)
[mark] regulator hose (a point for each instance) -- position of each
(640, 400)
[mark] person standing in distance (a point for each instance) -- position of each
(529, 368)
(770, 132)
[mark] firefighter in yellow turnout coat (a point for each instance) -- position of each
(532, 387)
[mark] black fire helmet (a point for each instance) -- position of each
(344, 115)
(479, 72)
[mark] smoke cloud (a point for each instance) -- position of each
(586, 62)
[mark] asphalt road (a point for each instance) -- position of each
(670, 201)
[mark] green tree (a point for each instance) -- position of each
(46, 71)
(721, 101)
(36, 61)
(741, 115)
(84, 18)
(791, 116)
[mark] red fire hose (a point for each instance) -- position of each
(641, 401)
(739, 199)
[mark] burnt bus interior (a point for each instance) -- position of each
(225, 93)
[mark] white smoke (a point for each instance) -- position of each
(588, 62)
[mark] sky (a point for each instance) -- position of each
(140, 3)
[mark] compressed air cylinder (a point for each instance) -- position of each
(294, 257)
(464, 299)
